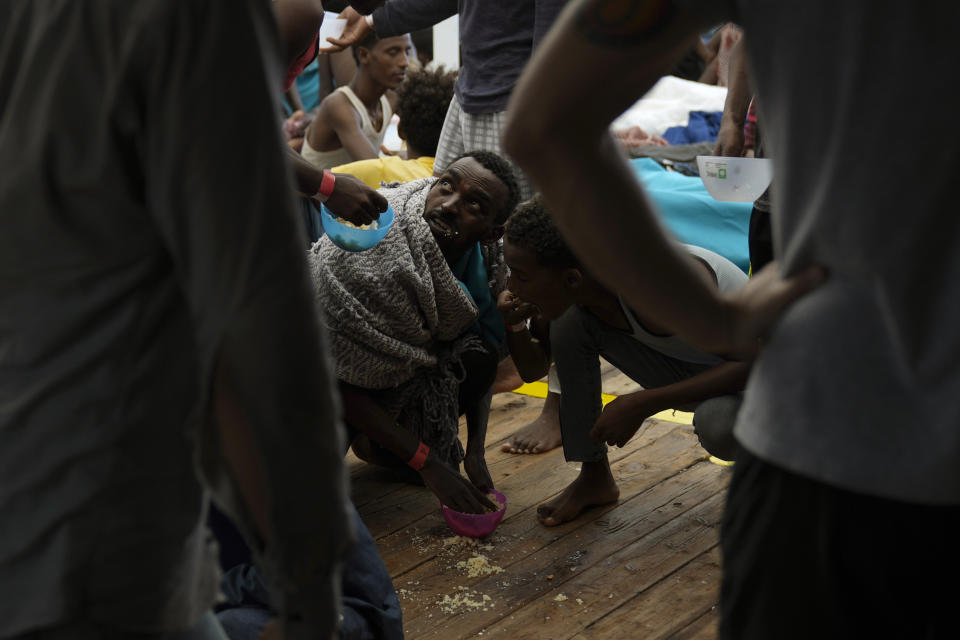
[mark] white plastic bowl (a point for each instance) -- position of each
(735, 179)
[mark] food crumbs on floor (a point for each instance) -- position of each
(478, 565)
(560, 598)
(465, 599)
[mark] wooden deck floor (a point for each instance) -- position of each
(644, 568)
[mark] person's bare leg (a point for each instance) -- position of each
(541, 435)
(372, 453)
(508, 378)
(594, 486)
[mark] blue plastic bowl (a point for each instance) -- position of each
(350, 239)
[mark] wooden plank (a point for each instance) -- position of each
(508, 413)
(661, 451)
(661, 527)
(534, 477)
(529, 560)
(613, 583)
(703, 628)
(668, 606)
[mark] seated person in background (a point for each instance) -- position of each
(422, 103)
(414, 325)
(353, 120)
(318, 80)
(577, 320)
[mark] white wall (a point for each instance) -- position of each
(446, 43)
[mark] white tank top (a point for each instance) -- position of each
(729, 277)
(337, 157)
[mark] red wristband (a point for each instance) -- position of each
(326, 186)
(419, 458)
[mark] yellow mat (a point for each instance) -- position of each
(539, 390)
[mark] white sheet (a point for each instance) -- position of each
(669, 103)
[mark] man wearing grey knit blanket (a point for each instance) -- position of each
(414, 327)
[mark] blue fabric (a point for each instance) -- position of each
(312, 222)
(693, 216)
(244, 622)
(702, 127)
(308, 86)
(371, 610)
(471, 272)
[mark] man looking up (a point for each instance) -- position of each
(353, 120)
(415, 327)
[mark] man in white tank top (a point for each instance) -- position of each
(353, 120)
(574, 320)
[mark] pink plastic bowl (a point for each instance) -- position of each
(475, 525)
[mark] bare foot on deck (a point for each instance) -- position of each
(541, 435)
(594, 486)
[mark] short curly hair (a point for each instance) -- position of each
(369, 41)
(532, 228)
(498, 166)
(422, 103)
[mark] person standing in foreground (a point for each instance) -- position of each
(832, 443)
(156, 311)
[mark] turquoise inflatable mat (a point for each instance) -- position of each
(693, 216)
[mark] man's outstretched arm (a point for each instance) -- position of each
(390, 19)
(351, 198)
(362, 411)
(599, 58)
(735, 107)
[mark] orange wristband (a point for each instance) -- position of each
(326, 186)
(419, 458)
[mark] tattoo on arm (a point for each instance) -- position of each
(623, 22)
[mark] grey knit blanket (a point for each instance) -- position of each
(398, 320)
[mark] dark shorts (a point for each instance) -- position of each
(804, 560)
(760, 240)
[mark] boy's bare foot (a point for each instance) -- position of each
(594, 486)
(541, 435)
(508, 378)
